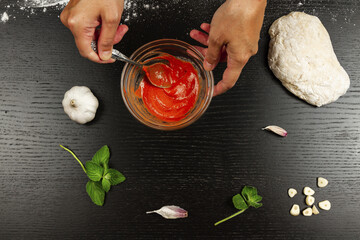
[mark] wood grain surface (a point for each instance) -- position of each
(200, 167)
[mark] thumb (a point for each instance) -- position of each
(213, 53)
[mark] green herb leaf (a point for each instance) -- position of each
(239, 202)
(94, 171)
(102, 156)
(97, 169)
(251, 197)
(114, 176)
(106, 184)
(248, 198)
(96, 192)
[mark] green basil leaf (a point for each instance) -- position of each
(114, 176)
(256, 205)
(96, 192)
(94, 171)
(106, 184)
(251, 197)
(102, 156)
(239, 202)
(257, 198)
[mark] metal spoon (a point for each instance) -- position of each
(41, 3)
(117, 55)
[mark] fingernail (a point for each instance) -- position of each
(207, 66)
(105, 55)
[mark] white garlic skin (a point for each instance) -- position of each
(80, 104)
(277, 130)
(171, 212)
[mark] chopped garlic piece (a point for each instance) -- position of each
(307, 212)
(325, 205)
(322, 182)
(308, 191)
(309, 200)
(292, 192)
(295, 210)
(315, 211)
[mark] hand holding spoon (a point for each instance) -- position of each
(154, 69)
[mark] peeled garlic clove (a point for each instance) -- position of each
(309, 200)
(292, 192)
(275, 129)
(295, 210)
(325, 205)
(171, 212)
(315, 211)
(307, 212)
(308, 191)
(322, 182)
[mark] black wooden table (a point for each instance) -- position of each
(200, 167)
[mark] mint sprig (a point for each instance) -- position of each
(101, 176)
(248, 198)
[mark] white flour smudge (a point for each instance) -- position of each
(134, 9)
(4, 17)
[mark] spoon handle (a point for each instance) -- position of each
(121, 57)
(117, 55)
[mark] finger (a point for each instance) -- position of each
(199, 36)
(212, 57)
(85, 50)
(64, 16)
(230, 77)
(120, 32)
(201, 49)
(110, 22)
(205, 27)
(83, 37)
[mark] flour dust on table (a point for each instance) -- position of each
(4, 17)
(133, 9)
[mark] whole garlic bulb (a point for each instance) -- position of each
(80, 104)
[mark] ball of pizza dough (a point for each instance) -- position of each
(301, 56)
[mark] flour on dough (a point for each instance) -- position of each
(302, 57)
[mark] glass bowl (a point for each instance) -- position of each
(131, 78)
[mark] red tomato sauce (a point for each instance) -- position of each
(173, 103)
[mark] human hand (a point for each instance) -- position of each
(82, 17)
(232, 36)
